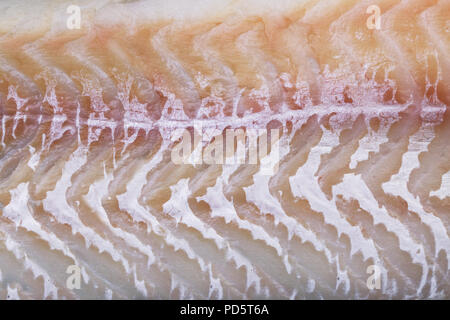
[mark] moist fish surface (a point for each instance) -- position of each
(225, 149)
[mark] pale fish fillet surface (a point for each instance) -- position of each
(87, 178)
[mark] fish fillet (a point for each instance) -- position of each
(290, 149)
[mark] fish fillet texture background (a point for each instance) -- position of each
(88, 183)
